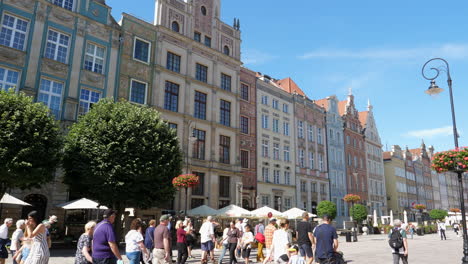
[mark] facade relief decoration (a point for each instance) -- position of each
(227, 30)
(54, 68)
(41, 11)
(92, 79)
(28, 4)
(177, 4)
(176, 16)
(97, 31)
(12, 55)
(62, 16)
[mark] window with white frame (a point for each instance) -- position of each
(67, 4)
(300, 129)
(319, 135)
(8, 79)
(94, 58)
(50, 93)
(57, 46)
(265, 200)
(265, 148)
(13, 31)
(275, 104)
(320, 156)
(285, 108)
(311, 160)
(138, 92)
(265, 99)
(286, 128)
(265, 121)
(141, 50)
(301, 158)
(310, 132)
(276, 176)
(276, 150)
(87, 99)
(275, 126)
(286, 154)
(287, 178)
(287, 203)
(265, 176)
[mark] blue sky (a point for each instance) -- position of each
(377, 48)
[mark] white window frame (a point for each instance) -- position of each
(62, 5)
(301, 158)
(4, 81)
(131, 89)
(319, 135)
(149, 49)
(320, 156)
(276, 176)
(264, 121)
(50, 93)
(285, 108)
(88, 100)
(57, 44)
(275, 125)
(265, 99)
(265, 150)
(311, 160)
(300, 129)
(287, 178)
(286, 128)
(276, 151)
(275, 104)
(286, 152)
(14, 29)
(265, 174)
(310, 132)
(94, 56)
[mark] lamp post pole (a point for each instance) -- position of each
(434, 89)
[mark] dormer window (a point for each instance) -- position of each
(203, 10)
(175, 26)
(226, 50)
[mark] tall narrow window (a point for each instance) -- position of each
(301, 158)
(276, 176)
(57, 46)
(199, 189)
(225, 113)
(265, 121)
(87, 99)
(224, 147)
(171, 97)
(287, 178)
(50, 93)
(275, 127)
(8, 79)
(244, 156)
(225, 82)
(244, 125)
(265, 99)
(310, 132)
(197, 36)
(94, 59)
(226, 50)
(265, 151)
(200, 105)
(285, 108)
(199, 144)
(244, 92)
(201, 73)
(320, 156)
(141, 50)
(224, 187)
(13, 31)
(175, 26)
(311, 160)
(287, 158)
(286, 128)
(300, 129)
(265, 176)
(276, 151)
(207, 41)
(138, 92)
(275, 103)
(319, 135)
(173, 62)
(67, 4)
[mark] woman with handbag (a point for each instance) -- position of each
(260, 238)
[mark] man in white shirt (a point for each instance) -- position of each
(441, 227)
(207, 239)
(4, 239)
(16, 238)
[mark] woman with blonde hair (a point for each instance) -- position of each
(83, 247)
(134, 242)
(182, 252)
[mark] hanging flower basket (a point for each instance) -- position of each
(452, 160)
(419, 206)
(352, 198)
(185, 181)
(455, 210)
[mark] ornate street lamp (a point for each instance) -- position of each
(434, 89)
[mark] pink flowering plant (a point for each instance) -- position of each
(452, 160)
(352, 198)
(419, 206)
(185, 181)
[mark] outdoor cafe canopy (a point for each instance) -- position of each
(203, 210)
(8, 199)
(295, 213)
(263, 212)
(82, 203)
(233, 211)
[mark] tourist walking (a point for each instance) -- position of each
(22, 254)
(234, 236)
(104, 245)
(134, 242)
(48, 223)
(326, 240)
(207, 239)
(399, 243)
(269, 231)
(410, 230)
(260, 238)
(182, 252)
(305, 238)
(441, 227)
(39, 253)
(456, 229)
(16, 238)
(149, 237)
(224, 243)
(4, 239)
(161, 251)
(191, 237)
(83, 247)
(246, 243)
(282, 241)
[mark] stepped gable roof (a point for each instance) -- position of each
(363, 118)
(290, 86)
(387, 155)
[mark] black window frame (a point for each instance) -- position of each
(199, 146)
(244, 125)
(226, 82)
(201, 72)
(225, 112)
(200, 105)
(173, 62)
(170, 93)
(224, 149)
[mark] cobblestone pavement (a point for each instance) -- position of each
(371, 249)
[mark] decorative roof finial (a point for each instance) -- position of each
(350, 91)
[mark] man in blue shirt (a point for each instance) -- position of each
(326, 240)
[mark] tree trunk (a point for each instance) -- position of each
(118, 222)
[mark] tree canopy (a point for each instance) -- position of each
(359, 212)
(30, 142)
(122, 155)
(438, 214)
(326, 208)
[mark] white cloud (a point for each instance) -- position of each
(256, 57)
(450, 51)
(431, 133)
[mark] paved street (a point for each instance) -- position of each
(371, 249)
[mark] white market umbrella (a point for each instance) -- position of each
(233, 211)
(8, 199)
(375, 219)
(295, 213)
(264, 211)
(405, 217)
(391, 217)
(203, 210)
(82, 203)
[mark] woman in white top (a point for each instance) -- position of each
(16, 238)
(134, 242)
(225, 243)
(246, 243)
(281, 240)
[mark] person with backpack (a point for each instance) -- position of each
(399, 243)
(260, 238)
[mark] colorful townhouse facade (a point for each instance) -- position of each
(64, 54)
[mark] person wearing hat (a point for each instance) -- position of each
(162, 238)
(269, 230)
(294, 257)
(105, 249)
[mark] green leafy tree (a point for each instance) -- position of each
(30, 142)
(438, 214)
(359, 212)
(326, 208)
(122, 155)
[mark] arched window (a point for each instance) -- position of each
(175, 26)
(226, 50)
(203, 10)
